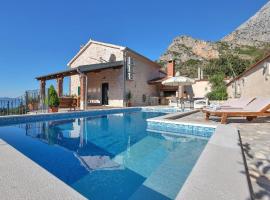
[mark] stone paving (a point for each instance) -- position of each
(255, 136)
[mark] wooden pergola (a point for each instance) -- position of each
(82, 72)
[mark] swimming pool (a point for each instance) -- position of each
(109, 156)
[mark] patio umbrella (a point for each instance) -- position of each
(178, 81)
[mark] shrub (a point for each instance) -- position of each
(53, 100)
(219, 90)
(226, 64)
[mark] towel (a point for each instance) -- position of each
(215, 107)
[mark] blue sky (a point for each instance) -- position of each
(38, 37)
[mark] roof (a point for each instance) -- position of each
(248, 69)
(100, 66)
(88, 44)
(83, 69)
(140, 55)
(157, 80)
(163, 72)
(108, 45)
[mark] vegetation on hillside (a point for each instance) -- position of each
(219, 91)
(229, 65)
(189, 68)
(232, 61)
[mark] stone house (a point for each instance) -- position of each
(254, 81)
(104, 74)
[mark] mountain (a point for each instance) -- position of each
(255, 31)
(185, 48)
(6, 98)
(250, 41)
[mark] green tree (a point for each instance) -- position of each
(230, 65)
(53, 100)
(219, 90)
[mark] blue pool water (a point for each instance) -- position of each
(110, 156)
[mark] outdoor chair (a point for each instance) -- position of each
(256, 108)
(237, 103)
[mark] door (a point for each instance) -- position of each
(105, 97)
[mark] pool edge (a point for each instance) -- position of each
(220, 172)
(26, 179)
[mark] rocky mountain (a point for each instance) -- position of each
(255, 31)
(250, 41)
(185, 48)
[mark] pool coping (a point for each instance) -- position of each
(220, 171)
(169, 117)
(22, 178)
(16, 119)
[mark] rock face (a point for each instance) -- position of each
(255, 31)
(185, 48)
(248, 41)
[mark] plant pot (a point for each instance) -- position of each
(53, 109)
(129, 104)
(30, 107)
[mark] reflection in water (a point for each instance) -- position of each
(74, 131)
(112, 153)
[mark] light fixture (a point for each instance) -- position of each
(267, 68)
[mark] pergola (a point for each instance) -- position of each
(82, 72)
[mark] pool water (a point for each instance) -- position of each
(110, 156)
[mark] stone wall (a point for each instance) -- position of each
(253, 83)
(201, 88)
(114, 77)
(143, 72)
(94, 54)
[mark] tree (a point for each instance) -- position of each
(53, 100)
(229, 65)
(219, 90)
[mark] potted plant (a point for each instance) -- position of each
(53, 100)
(129, 97)
(30, 104)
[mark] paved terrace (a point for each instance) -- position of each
(255, 138)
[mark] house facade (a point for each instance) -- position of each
(110, 86)
(255, 81)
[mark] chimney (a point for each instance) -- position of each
(200, 73)
(171, 68)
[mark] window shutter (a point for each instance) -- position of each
(130, 66)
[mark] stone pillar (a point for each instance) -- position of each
(60, 86)
(42, 93)
(42, 90)
(83, 92)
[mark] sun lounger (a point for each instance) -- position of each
(258, 107)
(237, 103)
(232, 104)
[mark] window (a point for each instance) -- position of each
(79, 90)
(112, 58)
(238, 90)
(130, 66)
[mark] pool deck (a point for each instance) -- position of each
(21, 178)
(255, 136)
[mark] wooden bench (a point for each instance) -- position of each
(68, 102)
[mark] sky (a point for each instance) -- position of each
(38, 37)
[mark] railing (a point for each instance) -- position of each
(13, 106)
(29, 102)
